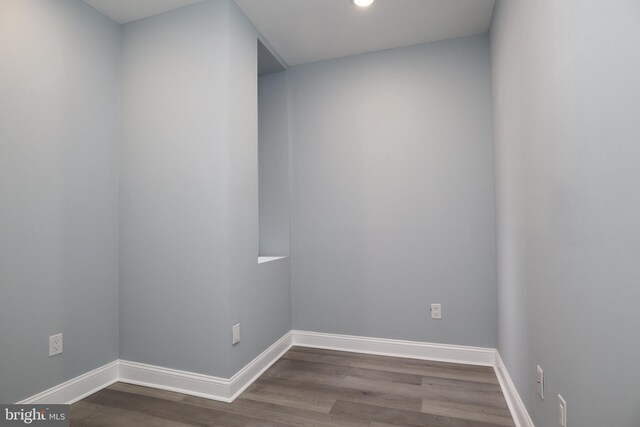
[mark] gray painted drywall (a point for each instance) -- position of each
(59, 80)
(173, 278)
(273, 161)
(259, 294)
(393, 194)
(565, 91)
(189, 195)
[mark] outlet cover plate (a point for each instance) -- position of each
(540, 382)
(562, 412)
(55, 344)
(436, 311)
(236, 334)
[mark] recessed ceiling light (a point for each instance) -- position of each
(363, 3)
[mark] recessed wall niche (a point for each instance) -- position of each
(273, 157)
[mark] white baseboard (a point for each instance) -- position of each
(516, 405)
(227, 389)
(251, 372)
(397, 348)
(209, 387)
(77, 388)
(184, 382)
(222, 389)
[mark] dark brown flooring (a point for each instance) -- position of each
(312, 387)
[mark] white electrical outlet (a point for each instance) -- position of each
(540, 382)
(436, 311)
(55, 344)
(562, 412)
(236, 333)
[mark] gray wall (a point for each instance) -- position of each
(173, 188)
(189, 195)
(59, 79)
(273, 155)
(565, 91)
(259, 293)
(393, 198)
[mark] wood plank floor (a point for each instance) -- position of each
(316, 388)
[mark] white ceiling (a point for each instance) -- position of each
(303, 31)
(124, 11)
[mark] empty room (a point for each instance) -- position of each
(357, 213)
